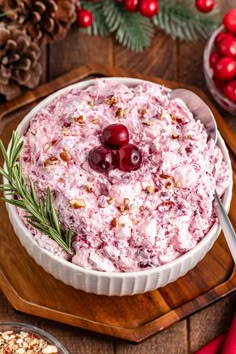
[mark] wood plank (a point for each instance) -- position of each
(211, 322)
(158, 60)
(190, 63)
(79, 341)
(172, 340)
(78, 49)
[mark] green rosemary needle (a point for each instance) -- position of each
(40, 212)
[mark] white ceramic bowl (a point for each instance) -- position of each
(109, 283)
(208, 72)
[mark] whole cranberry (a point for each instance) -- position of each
(225, 68)
(229, 21)
(213, 59)
(220, 36)
(101, 159)
(131, 5)
(227, 47)
(230, 90)
(114, 136)
(204, 5)
(129, 158)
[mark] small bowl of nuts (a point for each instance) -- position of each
(22, 338)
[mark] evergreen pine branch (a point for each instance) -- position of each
(99, 26)
(41, 213)
(181, 21)
(132, 30)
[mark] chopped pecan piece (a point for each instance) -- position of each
(77, 203)
(115, 222)
(149, 189)
(53, 160)
(80, 119)
(65, 156)
(111, 100)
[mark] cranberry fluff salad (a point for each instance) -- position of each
(131, 173)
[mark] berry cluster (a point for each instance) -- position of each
(115, 151)
(223, 59)
(147, 8)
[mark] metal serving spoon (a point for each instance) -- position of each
(203, 113)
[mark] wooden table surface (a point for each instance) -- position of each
(168, 59)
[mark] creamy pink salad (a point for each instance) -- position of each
(125, 221)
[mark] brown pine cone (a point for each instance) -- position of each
(19, 61)
(44, 20)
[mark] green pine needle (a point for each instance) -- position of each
(132, 30)
(181, 21)
(41, 214)
(99, 26)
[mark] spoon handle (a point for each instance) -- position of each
(227, 227)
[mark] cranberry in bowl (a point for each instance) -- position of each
(128, 178)
(219, 61)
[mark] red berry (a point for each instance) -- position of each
(131, 5)
(227, 47)
(129, 158)
(204, 5)
(101, 159)
(220, 36)
(213, 59)
(148, 8)
(114, 136)
(84, 18)
(229, 21)
(225, 68)
(230, 90)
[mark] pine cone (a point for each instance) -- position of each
(44, 20)
(19, 61)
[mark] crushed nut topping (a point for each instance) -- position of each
(65, 156)
(24, 343)
(141, 208)
(121, 112)
(164, 176)
(80, 119)
(188, 137)
(126, 201)
(178, 184)
(111, 100)
(95, 121)
(169, 185)
(147, 122)
(32, 131)
(175, 136)
(111, 201)
(162, 116)
(77, 203)
(89, 188)
(91, 103)
(53, 160)
(46, 147)
(115, 222)
(149, 189)
(61, 180)
(173, 117)
(65, 131)
(142, 111)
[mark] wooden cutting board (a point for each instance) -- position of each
(31, 290)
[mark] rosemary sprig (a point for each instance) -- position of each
(40, 212)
